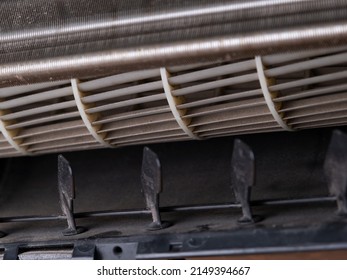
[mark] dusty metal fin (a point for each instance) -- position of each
(152, 186)
(66, 189)
(243, 178)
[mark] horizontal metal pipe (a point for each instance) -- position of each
(69, 22)
(88, 45)
(171, 209)
(223, 48)
(243, 251)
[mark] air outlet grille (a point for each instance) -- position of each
(306, 90)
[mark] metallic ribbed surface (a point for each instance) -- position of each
(26, 25)
(63, 39)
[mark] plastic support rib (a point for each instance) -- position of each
(85, 117)
(9, 137)
(173, 102)
(268, 95)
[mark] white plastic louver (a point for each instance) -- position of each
(262, 94)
